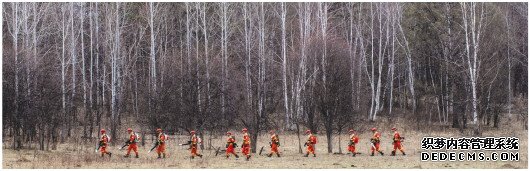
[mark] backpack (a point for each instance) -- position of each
(136, 137)
(108, 137)
(354, 140)
(165, 138)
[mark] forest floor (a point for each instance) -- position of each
(69, 155)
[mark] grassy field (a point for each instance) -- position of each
(68, 156)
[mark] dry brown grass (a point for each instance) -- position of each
(68, 156)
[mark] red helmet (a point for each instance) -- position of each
(228, 133)
(129, 129)
(102, 130)
(394, 128)
(308, 131)
(374, 129)
(158, 130)
(192, 132)
(245, 129)
(351, 130)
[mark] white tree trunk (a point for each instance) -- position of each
(509, 64)
(472, 58)
(261, 70)
(73, 52)
(224, 27)
(82, 15)
(391, 101)
(359, 63)
(35, 22)
(284, 67)
(90, 92)
(115, 72)
(372, 75)
(14, 34)
(446, 56)
(197, 9)
(152, 50)
(188, 38)
(248, 38)
(323, 12)
(26, 46)
(63, 62)
(409, 61)
(206, 57)
(380, 59)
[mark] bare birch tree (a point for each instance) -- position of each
(472, 31)
(284, 67)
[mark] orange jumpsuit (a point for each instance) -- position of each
(275, 141)
(104, 143)
(133, 139)
(353, 140)
(161, 149)
(230, 146)
(194, 143)
(397, 143)
(376, 141)
(245, 147)
(311, 141)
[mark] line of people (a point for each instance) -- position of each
(231, 144)
(132, 142)
(375, 142)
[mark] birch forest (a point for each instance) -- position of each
(70, 69)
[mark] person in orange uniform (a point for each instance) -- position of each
(397, 142)
(375, 140)
(354, 139)
(103, 144)
(194, 144)
(133, 139)
(310, 143)
(230, 145)
(161, 148)
(275, 143)
(245, 148)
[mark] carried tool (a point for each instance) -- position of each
(372, 144)
(187, 143)
(99, 145)
(307, 143)
(127, 143)
(156, 145)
